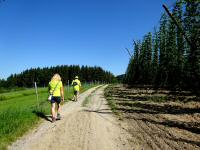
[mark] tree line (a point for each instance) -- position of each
(165, 58)
(42, 76)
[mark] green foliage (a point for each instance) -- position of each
(166, 58)
(120, 78)
(43, 75)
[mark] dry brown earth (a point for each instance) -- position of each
(158, 125)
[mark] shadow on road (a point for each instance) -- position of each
(42, 115)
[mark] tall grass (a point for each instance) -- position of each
(4, 90)
(18, 112)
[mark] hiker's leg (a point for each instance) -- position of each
(59, 108)
(53, 105)
(75, 94)
(74, 97)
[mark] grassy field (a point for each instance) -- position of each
(19, 112)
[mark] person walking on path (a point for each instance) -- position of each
(57, 91)
(76, 86)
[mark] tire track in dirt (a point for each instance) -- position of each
(166, 134)
(157, 134)
(146, 136)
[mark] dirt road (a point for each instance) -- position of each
(92, 127)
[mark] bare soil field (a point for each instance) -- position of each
(157, 120)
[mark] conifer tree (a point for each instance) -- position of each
(162, 72)
(155, 63)
(192, 28)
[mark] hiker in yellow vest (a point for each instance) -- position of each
(57, 91)
(76, 86)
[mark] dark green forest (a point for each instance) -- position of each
(170, 55)
(43, 75)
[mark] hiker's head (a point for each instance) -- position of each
(56, 77)
(76, 77)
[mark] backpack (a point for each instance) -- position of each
(75, 83)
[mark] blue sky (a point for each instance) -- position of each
(42, 33)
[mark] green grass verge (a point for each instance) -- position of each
(6, 90)
(19, 112)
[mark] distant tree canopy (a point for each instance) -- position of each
(164, 58)
(43, 75)
(120, 78)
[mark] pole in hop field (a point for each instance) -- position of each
(68, 85)
(36, 92)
